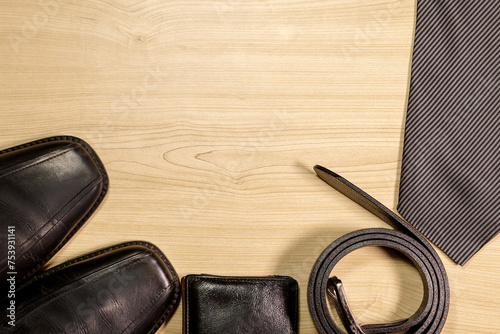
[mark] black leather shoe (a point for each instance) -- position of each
(48, 189)
(129, 288)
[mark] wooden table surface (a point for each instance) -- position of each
(209, 116)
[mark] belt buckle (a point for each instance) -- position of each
(336, 290)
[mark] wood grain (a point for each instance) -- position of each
(209, 116)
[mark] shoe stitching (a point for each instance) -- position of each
(35, 164)
(167, 311)
(97, 161)
(34, 311)
(145, 308)
(67, 204)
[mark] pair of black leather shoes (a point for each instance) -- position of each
(48, 190)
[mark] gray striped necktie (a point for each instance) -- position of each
(450, 185)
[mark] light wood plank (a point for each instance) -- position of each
(209, 116)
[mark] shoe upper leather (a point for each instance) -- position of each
(47, 189)
(130, 288)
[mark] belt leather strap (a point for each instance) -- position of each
(432, 313)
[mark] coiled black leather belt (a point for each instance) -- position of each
(431, 315)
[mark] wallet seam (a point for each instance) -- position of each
(186, 291)
(296, 293)
(246, 279)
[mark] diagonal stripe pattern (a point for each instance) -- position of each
(450, 185)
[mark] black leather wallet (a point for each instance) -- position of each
(239, 305)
